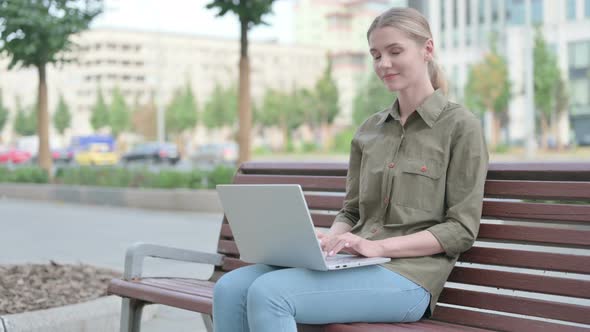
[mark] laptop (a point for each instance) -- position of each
(271, 225)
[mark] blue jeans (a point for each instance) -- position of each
(261, 298)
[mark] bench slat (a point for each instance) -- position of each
(422, 326)
(228, 247)
(527, 259)
(294, 168)
(548, 235)
(547, 190)
(498, 322)
(324, 202)
(516, 305)
(230, 264)
(521, 281)
(536, 211)
(159, 295)
(319, 183)
(545, 171)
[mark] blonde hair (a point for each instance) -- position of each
(415, 25)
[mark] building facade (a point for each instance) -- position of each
(462, 30)
(142, 63)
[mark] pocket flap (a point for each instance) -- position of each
(429, 168)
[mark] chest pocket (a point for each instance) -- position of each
(416, 184)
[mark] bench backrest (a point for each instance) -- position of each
(532, 257)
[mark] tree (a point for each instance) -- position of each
(25, 123)
(100, 112)
(119, 115)
(144, 120)
(371, 97)
(3, 114)
(488, 89)
(326, 93)
(182, 111)
(37, 33)
(250, 13)
(561, 106)
(546, 78)
(282, 110)
(221, 108)
(62, 117)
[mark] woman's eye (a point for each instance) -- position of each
(394, 53)
(377, 57)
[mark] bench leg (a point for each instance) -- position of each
(131, 315)
(208, 322)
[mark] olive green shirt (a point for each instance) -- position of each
(426, 175)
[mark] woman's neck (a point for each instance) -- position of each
(409, 99)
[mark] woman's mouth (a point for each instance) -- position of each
(390, 76)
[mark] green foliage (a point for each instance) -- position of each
(24, 175)
(34, 33)
(182, 111)
(546, 76)
(25, 123)
(249, 11)
(100, 112)
(62, 118)
(120, 116)
(326, 94)
(220, 175)
(3, 113)
(222, 107)
(488, 85)
(343, 139)
(371, 97)
(144, 178)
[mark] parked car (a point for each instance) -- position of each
(153, 152)
(97, 154)
(14, 156)
(216, 154)
(63, 155)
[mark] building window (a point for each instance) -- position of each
(580, 98)
(455, 14)
(537, 11)
(442, 15)
(481, 10)
(587, 8)
(515, 12)
(579, 55)
(571, 9)
(495, 11)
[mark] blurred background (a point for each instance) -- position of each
(156, 82)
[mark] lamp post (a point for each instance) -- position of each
(530, 143)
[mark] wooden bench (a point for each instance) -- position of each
(528, 271)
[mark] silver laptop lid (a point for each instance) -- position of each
(272, 225)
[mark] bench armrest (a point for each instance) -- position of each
(136, 253)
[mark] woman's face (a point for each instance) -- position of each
(398, 60)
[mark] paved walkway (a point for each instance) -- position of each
(34, 231)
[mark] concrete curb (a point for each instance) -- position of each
(159, 199)
(99, 315)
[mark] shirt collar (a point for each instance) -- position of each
(429, 111)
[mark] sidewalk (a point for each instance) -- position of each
(35, 231)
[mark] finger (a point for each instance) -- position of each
(337, 248)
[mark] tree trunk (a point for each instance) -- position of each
(495, 129)
(545, 132)
(284, 131)
(43, 122)
(244, 96)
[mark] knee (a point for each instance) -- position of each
(230, 285)
(265, 293)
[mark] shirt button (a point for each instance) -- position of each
(423, 169)
(391, 165)
(386, 200)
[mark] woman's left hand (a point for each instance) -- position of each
(350, 243)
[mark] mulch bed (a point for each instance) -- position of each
(31, 287)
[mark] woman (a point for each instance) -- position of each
(414, 193)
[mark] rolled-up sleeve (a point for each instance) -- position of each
(466, 175)
(349, 213)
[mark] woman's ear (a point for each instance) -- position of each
(429, 50)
